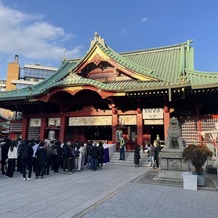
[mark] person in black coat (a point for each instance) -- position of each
(101, 155)
(94, 155)
(137, 155)
(26, 152)
(88, 153)
(41, 157)
(5, 145)
(66, 155)
(56, 155)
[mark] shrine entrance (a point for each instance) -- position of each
(94, 133)
(156, 129)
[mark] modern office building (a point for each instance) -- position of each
(2, 85)
(33, 74)
(18, 78)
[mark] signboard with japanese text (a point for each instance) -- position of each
(35, 122)
(55, 121)
(90, 121)
(152, 113)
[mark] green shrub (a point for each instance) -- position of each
(197, 155)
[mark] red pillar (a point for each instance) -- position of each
(200, 138)
(25, 128)
(114, 123)
(139, 121)
(166, 121)
(43, 129)
(63, 123)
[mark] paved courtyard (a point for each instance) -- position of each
(115, 191)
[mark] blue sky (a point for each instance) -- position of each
(40, 31)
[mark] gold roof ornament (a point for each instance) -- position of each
(99, 39)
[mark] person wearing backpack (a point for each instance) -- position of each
(73, 157)
(66, 154)
(26, 153)
(88, 151)
(49, 151)
(56, 155)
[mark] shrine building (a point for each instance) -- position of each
(140, 90)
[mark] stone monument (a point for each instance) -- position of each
(172, 164)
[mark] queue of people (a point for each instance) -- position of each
(38, 157)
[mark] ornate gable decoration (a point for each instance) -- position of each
(97, 59)
(104, 65)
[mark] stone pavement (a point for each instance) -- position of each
(115, 191)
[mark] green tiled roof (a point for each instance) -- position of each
(166, 62)
(200, 79)
(168, 67)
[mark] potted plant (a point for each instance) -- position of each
(197, 155)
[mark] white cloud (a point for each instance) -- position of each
(29, 36)
(144, 19)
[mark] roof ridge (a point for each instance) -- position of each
(207, 73)
(157, 48)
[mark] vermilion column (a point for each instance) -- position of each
(63, 123)
(43, 128)
(114, 123)
(166, 121)
(139, 121)
(200, 138)
(25, 128)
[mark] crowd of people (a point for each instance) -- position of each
(153, 151)
(38, 157)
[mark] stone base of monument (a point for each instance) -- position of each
(171, 164)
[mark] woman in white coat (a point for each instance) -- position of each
(12, 157)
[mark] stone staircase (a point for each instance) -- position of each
(129, 159)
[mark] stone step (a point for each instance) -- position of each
(129, 159)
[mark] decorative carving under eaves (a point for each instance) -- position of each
(72, 76)
(183, 78)
(97, 59)
(6, 114)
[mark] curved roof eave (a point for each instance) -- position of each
(38, 88)
(126, 86)
(200, 79)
